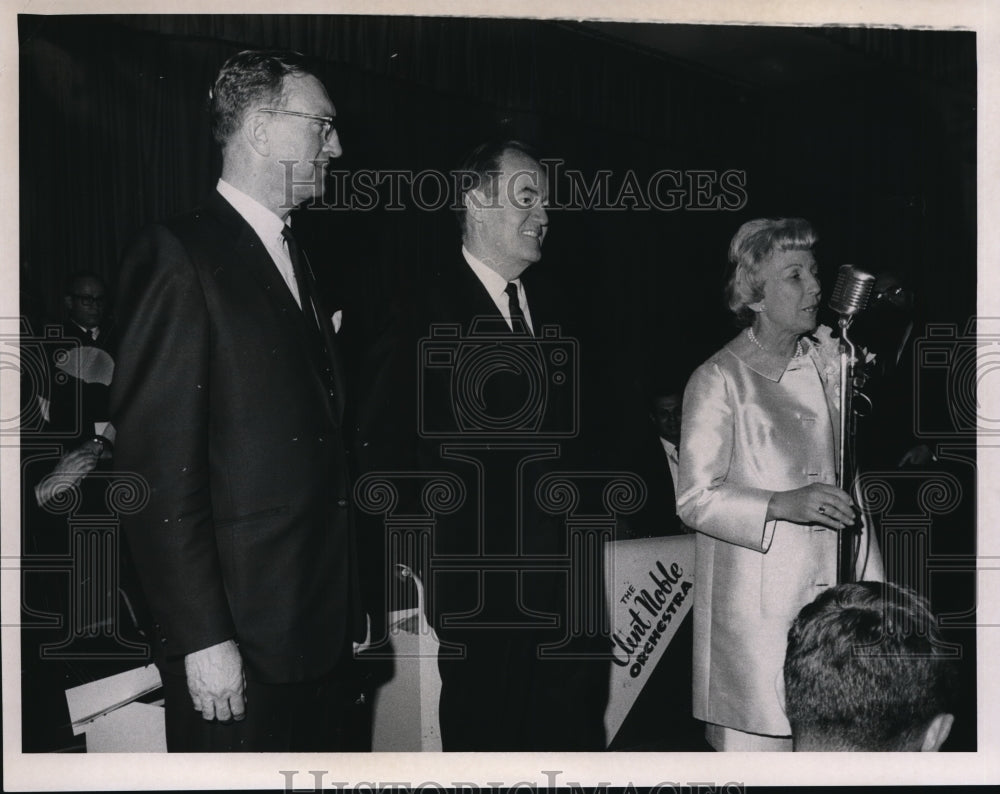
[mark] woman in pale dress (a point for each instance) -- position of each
(757, 481)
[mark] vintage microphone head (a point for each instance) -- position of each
(852, 290)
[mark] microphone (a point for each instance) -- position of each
(852, 290)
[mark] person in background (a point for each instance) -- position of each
(866, 670)
(757, 482)
(77, 405)
(653, 455)
(99, 611)
(666, 415)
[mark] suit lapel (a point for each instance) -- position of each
(470, 293)
(467, 293)
(253, 258)
(251, 255)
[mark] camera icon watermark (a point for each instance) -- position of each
(490, 383)
(41, 364)
(957, 381)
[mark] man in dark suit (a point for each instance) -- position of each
(228, 400)
(80, 378)
(495, 406)
(654, 458)
(68, 467)
(79, 401)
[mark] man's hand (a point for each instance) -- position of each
(71, 468)
(216, 683)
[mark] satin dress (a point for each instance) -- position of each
(754, 424)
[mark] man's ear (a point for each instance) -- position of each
(474, 201)
(254, 131)
(68, 302)
(937, 732)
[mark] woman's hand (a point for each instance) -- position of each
(821, 504)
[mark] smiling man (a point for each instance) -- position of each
(228, 400)
(505, 218)
(517, 674)
(503, 692)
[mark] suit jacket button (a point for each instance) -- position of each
(163, 640)
(341, 502)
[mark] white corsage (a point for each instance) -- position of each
(827, 351)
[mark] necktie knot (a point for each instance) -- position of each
(294, 252)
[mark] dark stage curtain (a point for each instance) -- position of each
(114, 134)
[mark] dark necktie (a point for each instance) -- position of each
(317, 319)
(302, 279)
(518, 322)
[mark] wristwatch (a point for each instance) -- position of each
(105, 444)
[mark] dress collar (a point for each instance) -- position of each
(761, 361)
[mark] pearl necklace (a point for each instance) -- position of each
(753, 338)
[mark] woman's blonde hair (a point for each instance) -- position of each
(752, 244)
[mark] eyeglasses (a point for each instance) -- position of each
(89, 300)
(328, 122)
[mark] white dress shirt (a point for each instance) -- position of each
(495, 285)
(670, 449)
(268, 228)
(93, 333)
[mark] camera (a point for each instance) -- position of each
(955, 381)
(491, 383)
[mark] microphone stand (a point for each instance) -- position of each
(847, 537)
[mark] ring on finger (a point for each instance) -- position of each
(822, 509)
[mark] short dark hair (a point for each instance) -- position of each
(754, 241)
(866, 669)
(664, 384)
(248, 80)
(481, 169)
(80, 275)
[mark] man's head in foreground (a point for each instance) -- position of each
(865, 669)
